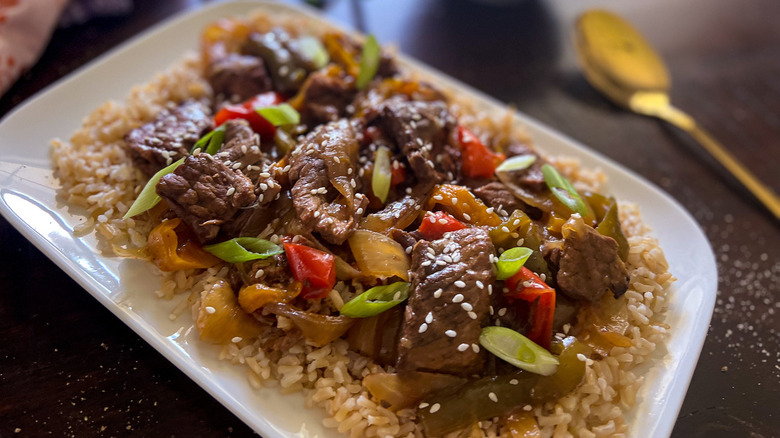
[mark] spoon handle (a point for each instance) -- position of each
(724, 157)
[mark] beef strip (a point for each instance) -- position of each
(199, 192)
(421, 130)
(236, 78)
(497, 195)
(531, 177)
(282, 54)
(241, 150)
(586, 264)
(168, 137)
(406, 239)
(450, 293)
(324, 180)
(326, 97)
(273, 271)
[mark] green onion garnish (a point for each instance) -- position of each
(369, 62)
(518, 350)
(564, 191)
(383, 174)
(313, 50)
(148, 197)
(282, 114)
(244, 249)
(214, 140)
(376, 300)
(518, 162)
(511, 261)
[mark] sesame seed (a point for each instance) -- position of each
(457, 298)
(265, 175)
(472, 315)
(505, 229)
(423, 405)
(426, 263)
(513, 382)
(466, 216)
(466, 306)
(480, 284)
(397, 296)
(316, 214)
(460, 283)
(353, 183)
(490, 289)
(490, 309)
(441, 263)
(438, 197)
(463, 347)
(261, 196)
(451, 333)
(489, 210)
(349, 171)
(423, 328)
(429, 317)
(581, 357)
(263, 186)
(337, 160)
(443, 221)
(454, 201)
(231, 190)
(360, 211)
(438, 293)
(435, 408)
(236, 165)
(432, 219)
(237, 339)
(408, 250)
(493, 397)
(210, 310)
(502, 311)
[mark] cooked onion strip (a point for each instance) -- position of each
(378, 255)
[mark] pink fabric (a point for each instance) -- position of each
(25, 29)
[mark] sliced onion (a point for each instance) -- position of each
(148, 197)
(376, 300)
(378, 255)
(518, 350)
(318, 329)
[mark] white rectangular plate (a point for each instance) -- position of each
(27, 200)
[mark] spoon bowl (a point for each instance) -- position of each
(621, 64)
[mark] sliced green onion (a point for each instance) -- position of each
(314, 51)
(518, 162)
(383, 174)
(511, 261)
(563, 190)
(369, 62)
(282, 114)
(148, 197)
(518, 350)
(244, 249)
(213, 139)
(376, 300)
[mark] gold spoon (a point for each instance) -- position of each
(622, 65)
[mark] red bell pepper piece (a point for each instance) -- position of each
(248, 112)
(527, 286)
(435, 224)
(315, 269)
(478, 160)
(397, 174)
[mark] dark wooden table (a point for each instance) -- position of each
(70, 368)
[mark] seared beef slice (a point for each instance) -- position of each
(448, 304)
(169, 136)
(325, 183)
(205, 193)
(588, 264)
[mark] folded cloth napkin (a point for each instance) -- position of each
(27, 25)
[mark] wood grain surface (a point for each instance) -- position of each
(70, 368)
